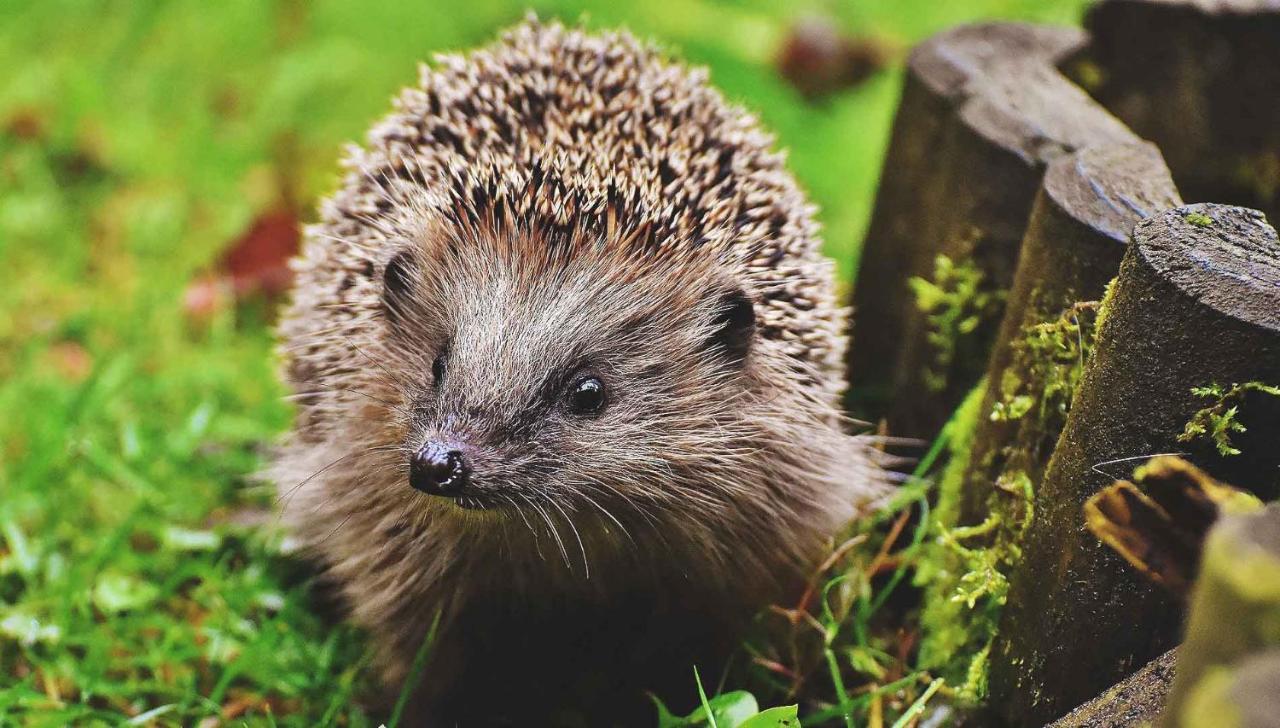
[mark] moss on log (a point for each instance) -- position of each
(1079, 226)
(1075, 239)
(983, 110)
(1196, 307)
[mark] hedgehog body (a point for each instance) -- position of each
(571, 296)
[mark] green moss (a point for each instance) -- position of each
(948, 625)
(960, 435)
(1105, 305)
(1088, 74)
(1198, 219)
(1051, 357)
(966, 582)
(955, 302)
(1220, 420)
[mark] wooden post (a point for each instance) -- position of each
(1200, 79)
(1077, 234)
(1079, 227)
(1235, 613)
(983, 110)
(1135, 701)
(1194, 311)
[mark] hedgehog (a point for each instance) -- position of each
(566, 359)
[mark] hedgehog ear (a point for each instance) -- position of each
(734, 326)
(397, 286)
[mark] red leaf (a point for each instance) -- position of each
(819, 61)
(255, 265)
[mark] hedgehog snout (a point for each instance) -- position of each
(439, 468)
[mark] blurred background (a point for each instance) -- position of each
(155, 160)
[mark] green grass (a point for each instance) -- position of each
(140, 576)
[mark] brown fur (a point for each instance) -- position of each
(565, 202)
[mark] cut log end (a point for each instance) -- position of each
(1228, 257)
(1110, 188)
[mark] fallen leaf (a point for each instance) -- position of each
(256, 264)
(1158, 522)
(70, 360)
(26, 123)
(818, 60)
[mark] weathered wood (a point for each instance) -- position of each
(1138, 699)
(983, 110)
(1079, 227)
(1197, 303)
(1200, 78)
(1235, 612)
(1075, 239)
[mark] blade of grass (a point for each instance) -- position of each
(918, 707)
(702, 695)
(834, 666)
(868, 607)
(819, 717)
(415, 672)
(922, 527)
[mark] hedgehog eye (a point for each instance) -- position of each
(586, 396)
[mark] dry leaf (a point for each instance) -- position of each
(255, 265)
(1158, 523)
(819, 61)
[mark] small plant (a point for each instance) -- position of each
(1220, 420)
(956, 302)
(1198, 219)
(736, 709)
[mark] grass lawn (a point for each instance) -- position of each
(141, 578)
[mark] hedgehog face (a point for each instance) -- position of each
(554, 385)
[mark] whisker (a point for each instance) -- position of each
(607, 514)
(537, 542)
(340, 525)
(555, 533)
(288, 495)
(586, 566)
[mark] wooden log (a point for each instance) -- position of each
(1075, 239)
(1201, 79)
(1079, 227)
(1235, 613)
(983, 110)
(1137, 699)
(1196, 307)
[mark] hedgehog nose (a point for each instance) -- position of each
(437, 469)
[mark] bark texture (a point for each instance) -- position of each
(1195, 310)
(1138, 699)
(1201, 79)
(983, 110)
